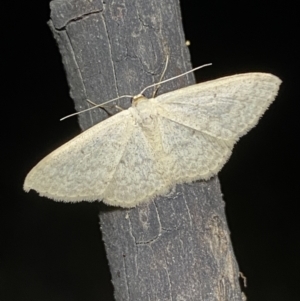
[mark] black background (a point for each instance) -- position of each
(54, 251)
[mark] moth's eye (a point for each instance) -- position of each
(135, 99)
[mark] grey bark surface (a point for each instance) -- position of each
(178, 246)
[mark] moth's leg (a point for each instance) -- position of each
(119, 108)
(107, 107)
(91, 102)
(102, 107)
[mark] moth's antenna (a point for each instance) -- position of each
(96, 106)
(161, 77)
(130, 96)
(166, 80)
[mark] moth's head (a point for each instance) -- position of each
(137, 99)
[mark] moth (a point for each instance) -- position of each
(140, 153)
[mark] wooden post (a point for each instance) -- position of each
(178, 246)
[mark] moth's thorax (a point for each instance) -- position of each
(144, 110)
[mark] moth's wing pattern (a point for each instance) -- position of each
(181, 136)
(199, 124)
(191, 154)
(82, 168)
(225, 108)
(139, 175)
(113, 161)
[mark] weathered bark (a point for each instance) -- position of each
(176, 247)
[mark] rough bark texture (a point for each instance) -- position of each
(178, 246)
